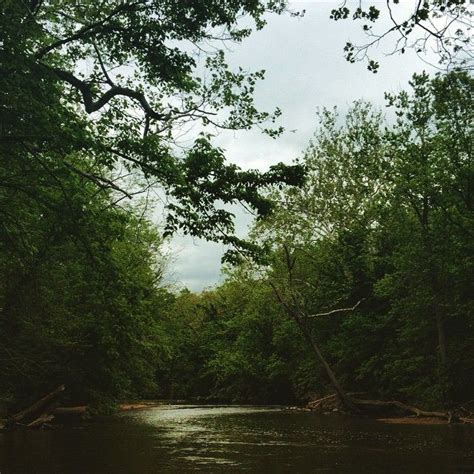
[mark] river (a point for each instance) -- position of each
(189, 438)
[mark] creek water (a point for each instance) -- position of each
(237, 439)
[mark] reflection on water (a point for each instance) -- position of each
(238, 439)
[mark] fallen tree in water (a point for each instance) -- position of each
(37, 406)
(36, 415)
(394, 408)
(46, 410)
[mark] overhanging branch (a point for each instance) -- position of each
(92, 105)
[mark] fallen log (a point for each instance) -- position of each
(367, 406)
(413, 420)
(317, 403)
(40, 421)
(79, 410)
(402, 406)
(83, 409)
(36, 407)
(138, 406)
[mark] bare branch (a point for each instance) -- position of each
(334, 311)
(99, 180)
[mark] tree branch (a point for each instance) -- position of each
(334, 311)
(99, 180)
(114, 91)
(85, 29)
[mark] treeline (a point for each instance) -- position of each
(79, 271)
(79, 289)
(368, 279)
(371, 265)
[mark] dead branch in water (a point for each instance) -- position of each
(35, 407)
(368, 406)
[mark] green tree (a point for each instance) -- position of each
(117, 81)
(385, 219)
(80, 301)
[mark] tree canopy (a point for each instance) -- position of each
(358, 272)
(371, 258)
(118, 81)
(438, 30)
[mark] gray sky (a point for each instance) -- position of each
(305, 69)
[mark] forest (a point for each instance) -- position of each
(357, 275)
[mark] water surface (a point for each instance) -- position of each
(238, 439)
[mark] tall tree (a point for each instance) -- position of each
(385, 217)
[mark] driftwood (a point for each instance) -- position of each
(83, 409)
(43, 411)
(37, 406)
(367, 406)
(319, 401)
(41, 421)
(36, 415)
(334, 397)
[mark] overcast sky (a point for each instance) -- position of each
(305, 69)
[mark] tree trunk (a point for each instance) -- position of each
(60, 411)
(343, 397)
(443, 365)
(300, 320)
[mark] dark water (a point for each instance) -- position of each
(238, 439)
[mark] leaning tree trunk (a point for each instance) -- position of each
(436, 291)
(343, 396)
(300, 321)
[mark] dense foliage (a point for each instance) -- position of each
(92, 97)
(375, 255)
(368, 276)
(79, 293)
(121, 81)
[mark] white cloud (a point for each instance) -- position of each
(305, 69)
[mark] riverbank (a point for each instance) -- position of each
(47, 411)
(386, 411)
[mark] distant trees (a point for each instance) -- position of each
(372, 258)
(386, 219)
